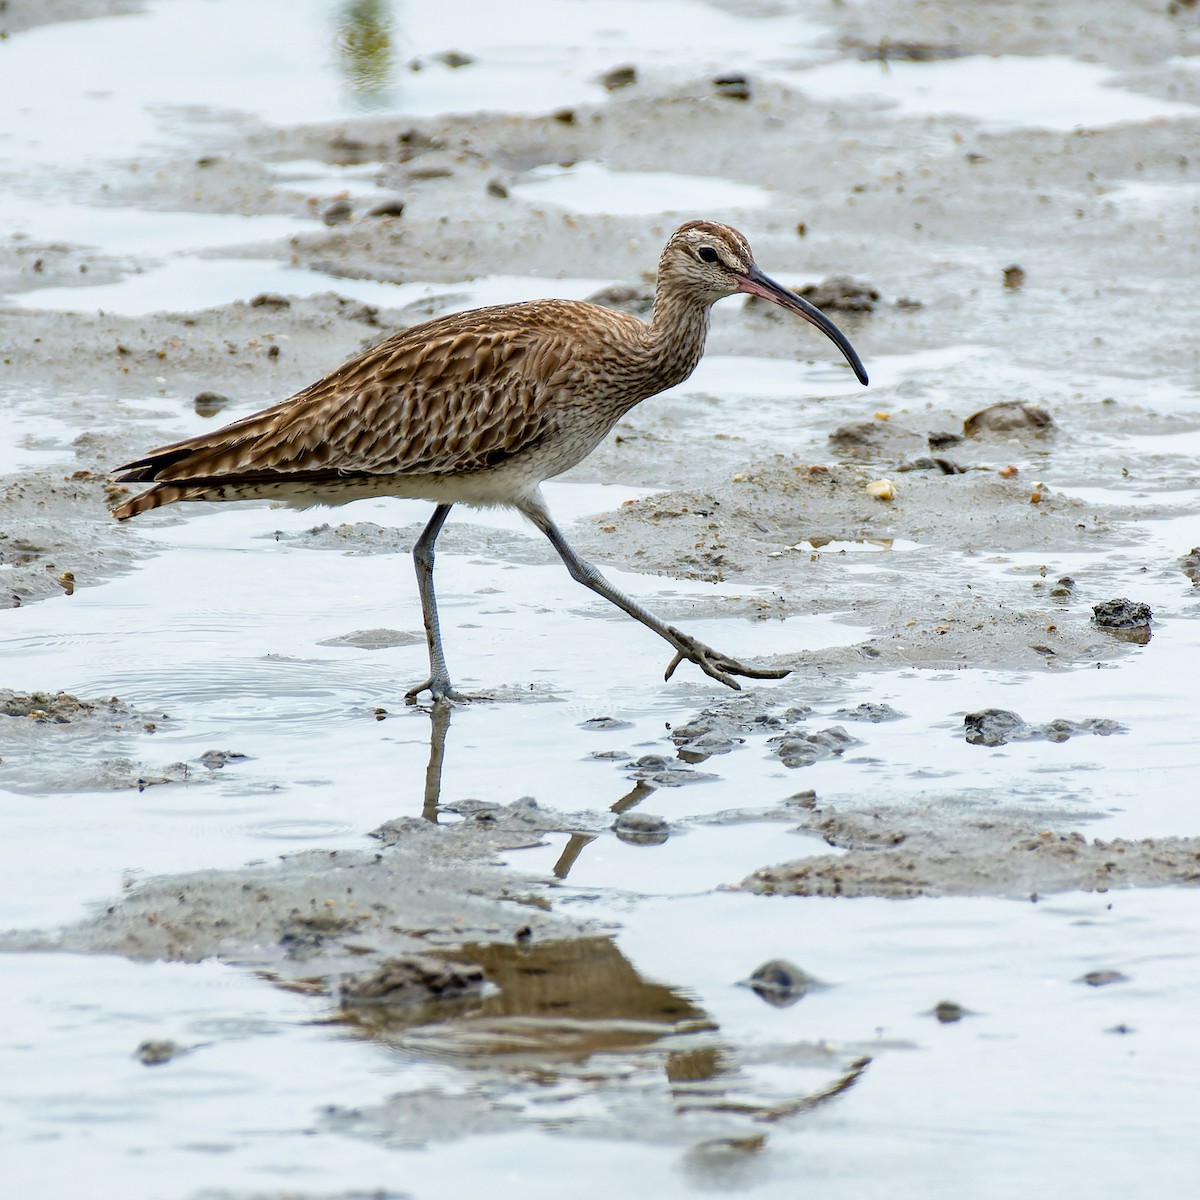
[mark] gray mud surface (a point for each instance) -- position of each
(321, 911)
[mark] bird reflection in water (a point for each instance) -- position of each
(365, 54)
(575, 1014)
(431, 804)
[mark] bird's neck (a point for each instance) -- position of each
(676, 335)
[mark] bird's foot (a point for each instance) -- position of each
(719, 666)
(440, 692)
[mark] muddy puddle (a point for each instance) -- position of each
(918, 919)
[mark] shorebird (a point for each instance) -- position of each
(479, 408)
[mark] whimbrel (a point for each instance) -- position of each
(479, 408)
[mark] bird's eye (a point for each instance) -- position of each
(707, 254)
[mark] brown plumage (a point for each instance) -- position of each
(478, 408)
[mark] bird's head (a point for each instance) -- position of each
(708, 261)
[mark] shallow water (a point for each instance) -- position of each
(1047, 92)
(222, 633)
(589, 187)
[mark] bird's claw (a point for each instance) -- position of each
(439, 691)
(718, 666)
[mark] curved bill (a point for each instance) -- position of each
(755, 283)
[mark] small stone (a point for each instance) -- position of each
(389, 208)
(454, 59)
(781, 983)
(208, 404)
(339, 212)
(1102, 978)
(619, 77)
(947, 1011)
(496, 187)
(881, 489)
(153, 1053)
(641, 829)
(270, 300)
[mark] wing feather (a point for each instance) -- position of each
(448, 396)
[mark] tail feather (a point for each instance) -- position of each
(145, 470)
(247, 485)
(156, 497)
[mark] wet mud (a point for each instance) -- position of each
(326, 911)
(969, 856)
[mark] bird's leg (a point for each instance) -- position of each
(712, 662)
(438, 683)
(439, 717)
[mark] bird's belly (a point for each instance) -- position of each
(507, 484)
(483, 489)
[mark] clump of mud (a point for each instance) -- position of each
(323, 913)
(999, 726)
(1124, 619)
(1121, 614)
(60, 708)
(941, 854)
(1008, 418)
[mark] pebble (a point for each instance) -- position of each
(947, 1011)
(641, 829)
(153, 1053)
(1102, 978)
(208, 404)
(781, 983)
(338, 212)
(389, 208)
(619, 77)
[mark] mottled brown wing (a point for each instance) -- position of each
(452, 395)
